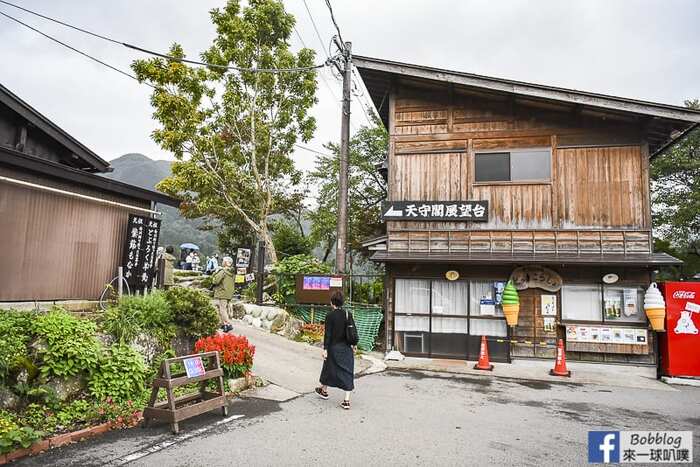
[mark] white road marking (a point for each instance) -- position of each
(170, 442)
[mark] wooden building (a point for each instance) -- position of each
(488, 178)
(62, 226)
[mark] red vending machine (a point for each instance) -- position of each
(680, 344)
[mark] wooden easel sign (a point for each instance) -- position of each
(199, 368)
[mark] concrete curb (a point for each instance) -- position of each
(377, 365)
(681, 381)
(61, 440)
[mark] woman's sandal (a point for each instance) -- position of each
(321, 393)
(345, 405)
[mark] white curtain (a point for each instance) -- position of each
(487, 327)
(450, 298)
(412, 323)
(450, 325)
(479, 290)
(412, 296)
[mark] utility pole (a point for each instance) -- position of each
(342, 233)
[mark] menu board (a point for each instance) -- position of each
(606, 335)
(140, 251)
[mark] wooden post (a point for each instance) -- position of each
(342, 230)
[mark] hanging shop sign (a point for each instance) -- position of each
(140, 251)
(476, 211)
(530, 277)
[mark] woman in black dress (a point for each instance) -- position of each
(338, 359)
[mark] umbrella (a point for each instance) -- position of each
(189, 246)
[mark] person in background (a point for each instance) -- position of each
(195, 261)
(212, 264)
(338, 359)
(189, 260)
(224, 286)
(168, 266)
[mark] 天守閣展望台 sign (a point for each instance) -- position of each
(462, 211)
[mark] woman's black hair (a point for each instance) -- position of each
(169, 249)
(337, 298)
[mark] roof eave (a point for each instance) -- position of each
(529, 89)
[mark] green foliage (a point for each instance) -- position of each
(15, 331)
(232, 133)
(18, 438)
(192, 311)
(144, 314)
(120, 374)
(676, 195)
(286, 270)
(366, 190)
(690, 255)
(70, 346)
(289, 240)
(368, 292)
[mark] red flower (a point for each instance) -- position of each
(236, 352)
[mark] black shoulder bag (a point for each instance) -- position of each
(351, 336)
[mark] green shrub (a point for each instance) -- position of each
(18, 438)
(368, 292)
(70, 344)
(120, 374)
(286, 270)
(192, 311)
(15, 332)
(141, 314)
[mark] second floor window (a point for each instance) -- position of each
(513, 166)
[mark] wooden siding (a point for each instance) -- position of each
(597, 199)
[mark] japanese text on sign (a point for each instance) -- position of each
(140, 251)
(477, 211)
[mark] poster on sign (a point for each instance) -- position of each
(194, 367)
(243, 258)
(140, 249)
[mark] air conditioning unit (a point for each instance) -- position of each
(413, 343)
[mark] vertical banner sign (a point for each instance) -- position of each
(140, 251)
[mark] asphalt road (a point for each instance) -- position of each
(403, 418)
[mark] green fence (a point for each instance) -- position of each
(368, 318)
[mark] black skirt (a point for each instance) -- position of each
(338, 368)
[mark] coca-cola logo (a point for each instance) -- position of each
(684, 294)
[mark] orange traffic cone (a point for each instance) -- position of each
(560, 364)
(484, 363)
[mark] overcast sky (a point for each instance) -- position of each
(642, 49)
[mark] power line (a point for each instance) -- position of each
(306, 148)
(73, 48)
(318, 34)
(330, 9)
(323, 78)
(154, 53)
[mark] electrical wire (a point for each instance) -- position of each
(323, 78)
(84, 54)
(329, 60)
(306, 148)
(318, 34)
(330, 9)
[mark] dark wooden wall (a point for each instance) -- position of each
(597, 199)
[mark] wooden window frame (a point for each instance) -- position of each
(510, 151)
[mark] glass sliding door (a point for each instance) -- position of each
(412, 316)
(449, 319)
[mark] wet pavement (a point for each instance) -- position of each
(403, 417)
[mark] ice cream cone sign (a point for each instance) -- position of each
(511, 304)
(655, 307)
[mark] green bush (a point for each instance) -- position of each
(192, 311)
(70, 344)
(120, 374)
(140, 314)
(15, 332)
(285, 272)
(368, 292)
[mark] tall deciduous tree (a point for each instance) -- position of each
(232, 132)
(676, 199)
(366, 190)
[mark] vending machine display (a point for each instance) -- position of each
(680, 344)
